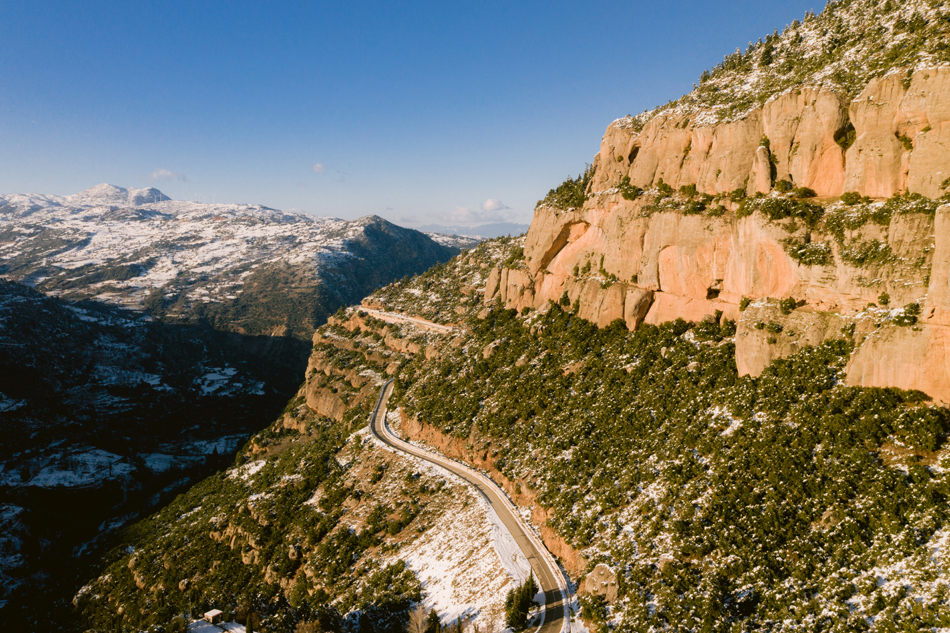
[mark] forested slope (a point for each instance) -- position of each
(784, 502)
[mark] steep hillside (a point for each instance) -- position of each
(107, 411)
(240, 268)
(708, 500)
(715, 499)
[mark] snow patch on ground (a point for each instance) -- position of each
(248, 470)
(82, 468)
(9, 404)
(468, 560)
(511, 556)
(201, 626)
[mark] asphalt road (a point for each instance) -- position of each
(545, 569)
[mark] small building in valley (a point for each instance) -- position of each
(213, 616)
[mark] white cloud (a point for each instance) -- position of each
(164, 174)
(319, 168)
(493, 205)
(464, 215)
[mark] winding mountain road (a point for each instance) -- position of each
(555, 618)
(393, 317)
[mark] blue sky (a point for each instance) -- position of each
(416, 111)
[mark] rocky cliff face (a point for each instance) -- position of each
(808, 131)
(665, 255)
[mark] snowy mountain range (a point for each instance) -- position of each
(238, 266)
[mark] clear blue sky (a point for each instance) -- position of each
(416, 111)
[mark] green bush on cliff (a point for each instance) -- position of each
(782, 208)
(627, 190)
(869, 253)
(851, 198)
(811, 254)
(909, 315)
(570, 194)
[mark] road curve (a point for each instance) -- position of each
(395, 317)
(545, 568)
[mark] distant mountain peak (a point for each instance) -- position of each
(103, 189)
(106, 194)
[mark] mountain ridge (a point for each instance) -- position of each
(191, 261)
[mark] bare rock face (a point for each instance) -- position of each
(803, 127)
(938, 292)
(915, 357)
(875, 163)
(325, 402)
(612, 261)
(760, 179)
(927, 104)
(879, 164)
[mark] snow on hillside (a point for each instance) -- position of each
(468, 560)
(119, 245)
(100, 195)
(160, 241)
(455, 241)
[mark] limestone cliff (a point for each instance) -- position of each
(659, 255)
(805, 128)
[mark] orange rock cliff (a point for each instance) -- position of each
(617, 258)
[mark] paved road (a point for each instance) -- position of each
(394, 317)
(545, 569)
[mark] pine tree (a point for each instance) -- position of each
(518, 604)
(433, 625)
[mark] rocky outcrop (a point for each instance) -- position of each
(602, 581)
(695, 267)
(691, 266)
(325, 402)
(915, 357)
(764, 334)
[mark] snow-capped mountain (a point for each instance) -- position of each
(245, 268)
(98, 196)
